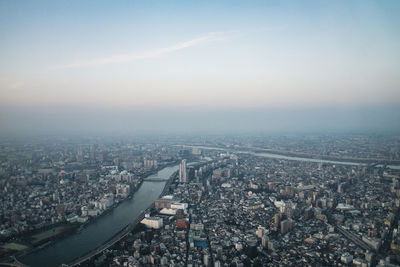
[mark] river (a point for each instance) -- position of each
(276, 156)
(279, 156)
(103, 228)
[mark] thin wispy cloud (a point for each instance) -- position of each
(129, 57)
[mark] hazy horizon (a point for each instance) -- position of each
(170, 66)
(65, 121)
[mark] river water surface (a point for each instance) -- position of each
(279, 156)
(103, 228)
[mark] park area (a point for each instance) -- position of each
(46, 235)
(14, 246)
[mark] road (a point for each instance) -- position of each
(121, 234)
(117, 237)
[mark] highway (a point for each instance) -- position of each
(117, 237)
(354, 238)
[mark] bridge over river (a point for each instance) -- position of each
(155, 180)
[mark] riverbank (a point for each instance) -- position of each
(102, 229)
(36, 240)
(49, 238)
(121, 234)
(302, 155)
(324, 157)
(145, 175)
(299, 156)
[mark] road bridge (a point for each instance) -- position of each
(156, 180)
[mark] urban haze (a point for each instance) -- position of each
(199, 133)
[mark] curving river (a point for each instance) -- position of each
(103, 228)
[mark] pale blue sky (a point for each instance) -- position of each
(131, 55)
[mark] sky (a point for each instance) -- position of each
(199, 65)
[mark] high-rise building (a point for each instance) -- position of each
(206, 259)
(183, 172)
(264, 241)
(277, 220)
(79, 154)
(92, 151)
(260, 231)
(286, 226)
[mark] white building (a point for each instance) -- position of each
(179, 206)
(182, 172)
(346, 258)
(197, 226)
(122, 190)
(106, 202)
(93, 212)
(82, 219)
(167, 211)
(153, 222)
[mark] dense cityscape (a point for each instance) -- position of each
(205, 133)
(229, 201)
